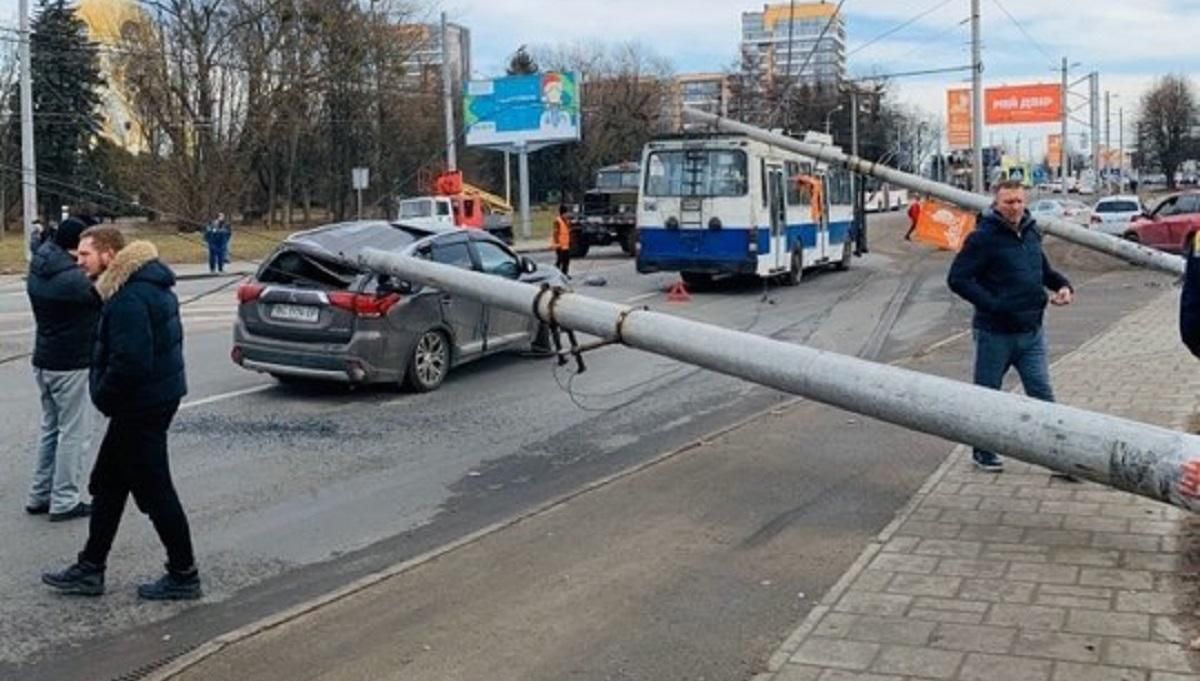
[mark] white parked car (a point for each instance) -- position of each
(1113, 214)
(1063, 209)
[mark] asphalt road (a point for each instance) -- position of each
(292, 491)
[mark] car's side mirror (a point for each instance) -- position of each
(528, 266)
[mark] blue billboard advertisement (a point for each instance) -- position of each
(535, 109)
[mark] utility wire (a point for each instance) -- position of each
(898, 28)
(1023, 31)
(837, 12)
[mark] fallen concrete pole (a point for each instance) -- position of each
(1136, 457)
(1128, 251)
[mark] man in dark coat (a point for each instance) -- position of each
(66, 310)
(137, 380)
(1003, 272)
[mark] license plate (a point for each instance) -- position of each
(295, 313)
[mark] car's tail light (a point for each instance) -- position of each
(363, 304)
(249, 292)
(237, 355)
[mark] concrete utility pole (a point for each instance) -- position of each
(1126, 250)
(523, 189)
(29, 200)
(1136, 457)
(1121, 147)
(1064, 164)
(1094, 109)
(1107, 137)
(976, 101)
(448, 99)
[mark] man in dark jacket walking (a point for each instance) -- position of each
(1003, 272)
(137, 380)
(66, 310)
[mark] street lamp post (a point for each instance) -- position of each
(829, 115)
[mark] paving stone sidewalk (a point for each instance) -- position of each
(1021, 576)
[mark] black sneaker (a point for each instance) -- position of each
(987, 462)
(173, 586)
(38, 509)
(81, 579)
(80, 510)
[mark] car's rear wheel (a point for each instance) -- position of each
(430, 362)
(1132, 236)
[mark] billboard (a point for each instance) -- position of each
(1054, 150)
(535, 109)
(958, 118)
(1037, 103)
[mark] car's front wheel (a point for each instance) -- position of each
(430, 362)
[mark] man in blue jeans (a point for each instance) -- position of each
(1003, 272)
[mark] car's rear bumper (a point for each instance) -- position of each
(340, 363)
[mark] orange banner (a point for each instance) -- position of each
(1039, 103)
(944, 226)
(1054, 150)
(958, 118)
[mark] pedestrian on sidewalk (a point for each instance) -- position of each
(914, 216)
(137, 380)
(1189, 300)
(560, 240)
(217, 235)
(66, 310)
(1004, 273)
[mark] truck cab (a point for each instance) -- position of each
(609, 211)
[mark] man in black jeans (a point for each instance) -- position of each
(137, 380)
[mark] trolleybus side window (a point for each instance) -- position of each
(696, 172)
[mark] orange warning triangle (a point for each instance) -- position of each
(678, 293)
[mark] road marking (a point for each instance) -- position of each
(18, 332)
(226, 396)
(643, 296)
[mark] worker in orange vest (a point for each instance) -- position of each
(560, 240)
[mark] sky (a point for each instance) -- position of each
(1129, 42)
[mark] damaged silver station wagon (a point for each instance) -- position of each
(311, 312)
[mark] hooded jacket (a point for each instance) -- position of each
(65, 308)
(1005, 275)
(138, 367)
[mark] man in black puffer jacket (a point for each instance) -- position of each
(137, 380)
(66, 310)
(1003, 272)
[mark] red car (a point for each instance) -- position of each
(1169, 226)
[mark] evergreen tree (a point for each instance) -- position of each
(66, 100)
(522, 63)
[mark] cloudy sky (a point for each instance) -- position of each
(1129, 42)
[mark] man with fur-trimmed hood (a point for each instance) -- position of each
(137, 380)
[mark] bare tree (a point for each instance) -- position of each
(1168, 113)
(627, 91)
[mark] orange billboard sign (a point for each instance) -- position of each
(942, 225)
(1054, 150)
(1038, 103)
(958, 118)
